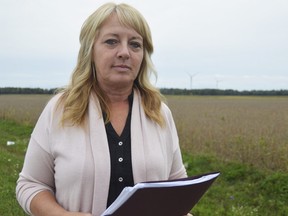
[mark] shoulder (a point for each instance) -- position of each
(48, 119)
(167, 114)
(55, 101)
(166, 110)
(165, 107)
(52, 107)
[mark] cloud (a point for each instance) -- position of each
(239, 38)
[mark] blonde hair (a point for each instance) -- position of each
(75, 97)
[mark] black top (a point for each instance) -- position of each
(120, 157)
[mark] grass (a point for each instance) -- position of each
(240, 189)
(11, 160)
(245, 138)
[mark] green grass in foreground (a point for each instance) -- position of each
(240, 190)
(11, 160)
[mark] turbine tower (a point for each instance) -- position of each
(191, 78)
(217, 83)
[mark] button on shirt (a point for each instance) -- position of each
(120, 157)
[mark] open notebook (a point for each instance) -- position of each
(169, 198)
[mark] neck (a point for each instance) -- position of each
(118, 95)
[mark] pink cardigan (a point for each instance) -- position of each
(74, 163)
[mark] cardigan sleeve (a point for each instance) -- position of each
(37, 175)
(38, 169)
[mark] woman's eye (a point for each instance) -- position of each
(111, 41)
(135, 44)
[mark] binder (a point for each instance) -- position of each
(169, 198)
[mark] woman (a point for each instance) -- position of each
(108, 129)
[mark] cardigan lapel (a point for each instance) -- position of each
(101, 156)
(137, 139)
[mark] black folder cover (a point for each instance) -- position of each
(169, 198)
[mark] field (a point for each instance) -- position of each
(23, 109)
(245, 138)
(250, 130)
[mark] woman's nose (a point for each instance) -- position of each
(123, 51)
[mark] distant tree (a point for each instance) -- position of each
(176, 91)
(165, 91)
(15, 90)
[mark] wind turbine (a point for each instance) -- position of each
(217, 82)
(191, 78)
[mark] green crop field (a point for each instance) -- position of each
(245, 138)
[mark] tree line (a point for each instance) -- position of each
(165, 91)
(15, 90)
(211, 92)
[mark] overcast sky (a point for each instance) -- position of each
(225, 44)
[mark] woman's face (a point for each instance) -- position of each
(117, 53)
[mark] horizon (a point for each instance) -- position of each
(184, 89)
